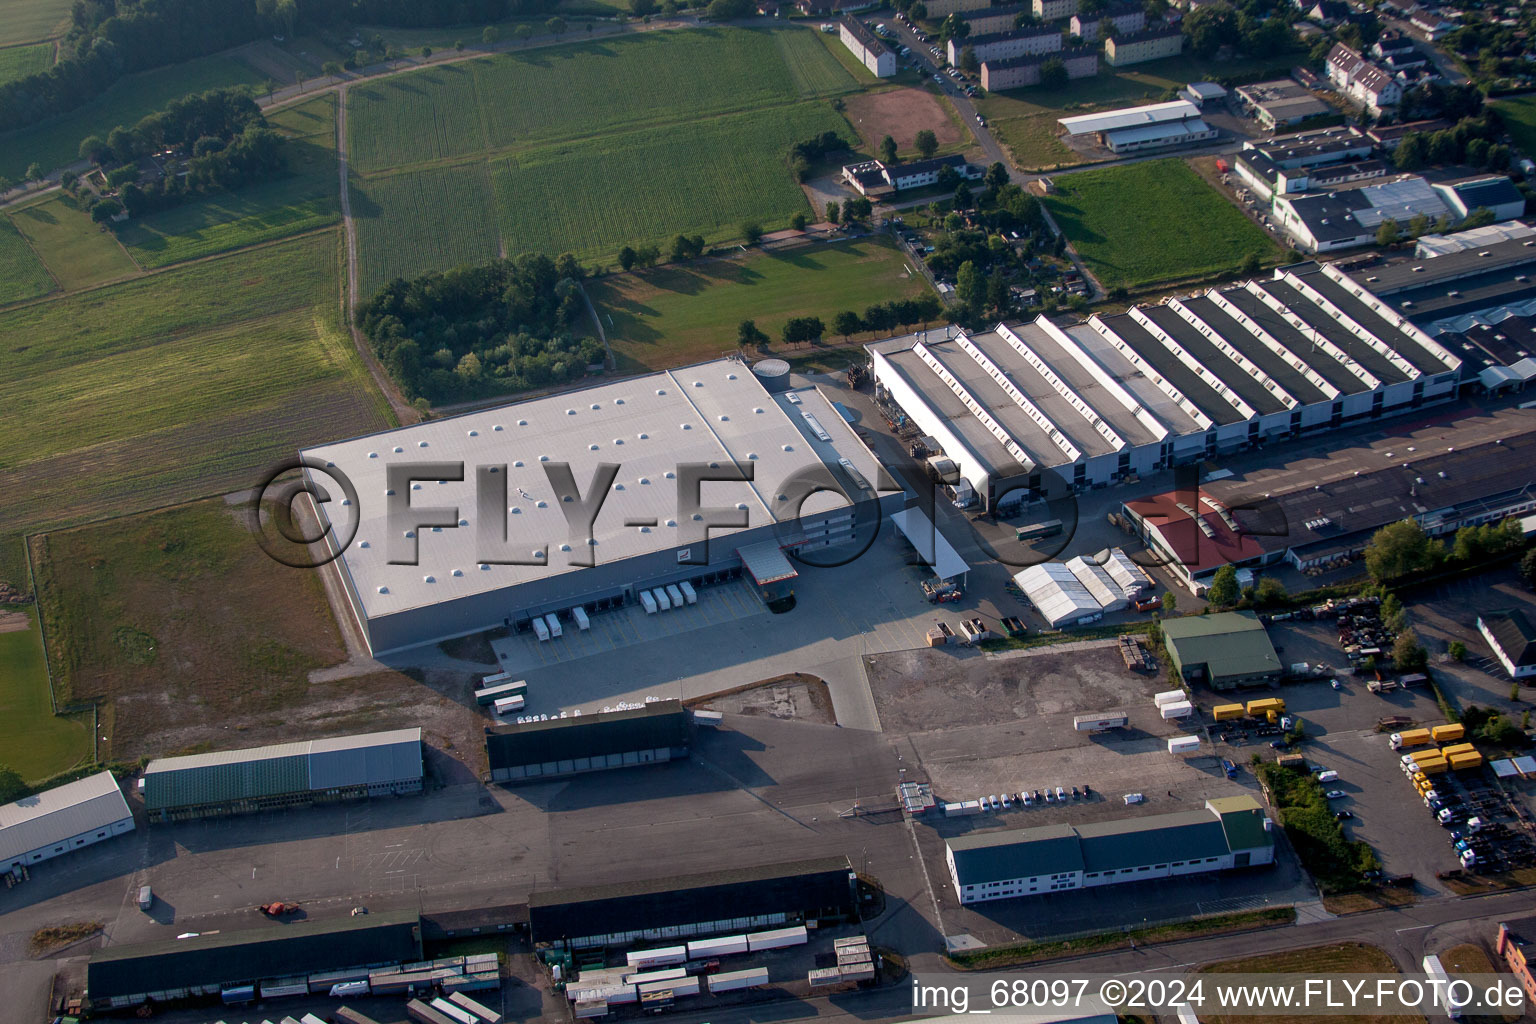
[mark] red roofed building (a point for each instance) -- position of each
(1195, 534)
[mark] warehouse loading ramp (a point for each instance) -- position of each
(930, 544)
(766, 563)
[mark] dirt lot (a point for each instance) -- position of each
(901, 114)
(13, 622)
(946, 687)
(195, 640)
(797, 695)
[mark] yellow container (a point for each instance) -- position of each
(1449, 731)
(1227, 712)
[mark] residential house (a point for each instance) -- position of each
(1148, 44)
(1368, 84)
(1019, 72)
(1020, 42)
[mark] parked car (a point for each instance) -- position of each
(1343, 815)
(1335, 684)
(1061, 795)
(1135, 798)
(1336, 794)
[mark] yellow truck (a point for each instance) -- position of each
(1434, 766)
(1227, 712)
(1261, 708)
(1449, 731)
(1409, 738)
(1465, 759)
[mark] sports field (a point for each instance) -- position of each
(56, 142)
(25, 21)
(22, 274)
(174, 385)
(1151, 222)
(33, 741)
(673, 315)
(633, 140)
(78, 251)
(21, 61)
(302, 199)
(1519, 113)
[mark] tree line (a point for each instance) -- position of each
(478, 330)
(108, 39)
(881, 317)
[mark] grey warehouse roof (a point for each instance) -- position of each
(714, 412)
(36, 821)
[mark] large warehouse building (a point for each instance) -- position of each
(283, 775)
(522, 557)
(1038, 409)
(1230, 832)
(51, 823)
(126, 975)
(1222, 651)
(554, 748)
(736, 900)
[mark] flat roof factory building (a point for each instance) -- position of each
(51, 823)
(535, 751)
(1224, 651)
(523, 557)
(741, 899)
(283, 775)
(1038, 409)
(1230, 832)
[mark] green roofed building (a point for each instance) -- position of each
(1230, 832)
(1225, 650)
(203, 966)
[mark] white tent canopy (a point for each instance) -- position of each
(1058, 594)
(930, 543)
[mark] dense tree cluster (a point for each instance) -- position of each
(1249, 27)
(1471, 141)
(472, 331)
(107, 39)
(806, 153)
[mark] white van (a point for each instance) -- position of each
(1328, 777)
(146, 897)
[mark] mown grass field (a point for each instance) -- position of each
(673, 315)
(1519, 113)
(21, 61)
(1144, 223)
(26, 21)
(35, 743)
(583, 89)
(303, 199)
(179, 384)
(75, 249)
(416, 221)
(22, 274)
(56, 143)
(139, 610)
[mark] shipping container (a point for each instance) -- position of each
(1449, 731)
(347, 1015)
(1227, 712)
(553, 622)
(1428, 754)
(1035, 531)
(310, 1018)
(474, 982)
(675, 595)
(591, 1008)
(579, 616)
(1464, 760)
(712, 719)
(851, 940)
(864, 972)
(664, 957)
(725, 946)
(238, 994)
(1433, 766)
(676, 986)
(345, 989)
(485, 1013)
(824, 976)
(779, 938)
(689, 594)
(1409, 738)
(1266, 704)
(1183, 744)
(510, 705)
(1098, 723)
(1169, 697)
(490, 694)
(664, 974)
(730, 981)
(499, 677)
(1182, 709)
(272, 988)
(1456, 748)
(323, 982)
(424, 1014)
(539, 629)
(662, 600)
(481, 961)
(648, 602)
(453, 1012)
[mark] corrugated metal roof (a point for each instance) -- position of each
(1243, 820)
(1016, 853)
(1158, 839)
(1057, 593)
(37, 821)
(1127, 117)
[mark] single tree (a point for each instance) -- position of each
(1388, 233)
(12, 786)
(797, 222)
(927, 143)
(458, 45)
(968, 61)
(1053, 73)
(492, 35)
(1170, 603)
(752, 231)
(1224, 592)
(749, 336)
(35, 172)
(522, 32)
(626, 257)
(1400, 549)
(857, 208)
(1250, 265)
(832, 211)
(1528, 568)
(1269, 591)
(1457, 650)
(426, 52)
(1418, 225)
(997, 177)
(888, 150)
(642, 8)
(331, 69)
(970, 289)
(918, 11)
(1408, 655)
(647, 255)
(105, 210)
(846, 323)
(680, 249)
(556, 27)
(1411, 152)
(95, 149)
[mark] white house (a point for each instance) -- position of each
(1366, 83)
(1513, 640)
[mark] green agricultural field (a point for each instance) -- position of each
(56, 143)
(35, 743)
(594, 197)
(583, 89)
(673, 315)
(78, 251)
(1519, 113)
(418, 221)
(21, 61)
(301, 200)
(1152, 222)
(179, 384)
(26, 21)
(22, 274)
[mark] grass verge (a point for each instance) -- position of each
(35, 742)
(1014, 954)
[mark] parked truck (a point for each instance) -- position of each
(1227, 712)
(1410, 738)
(1262, 707)
(1099, 723)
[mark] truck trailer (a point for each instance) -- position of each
(1098, 723)
(1449, 731)
(1183, 744)
(1227, 712)
(1261, 707)
(1178, 709)
(1169, 697)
